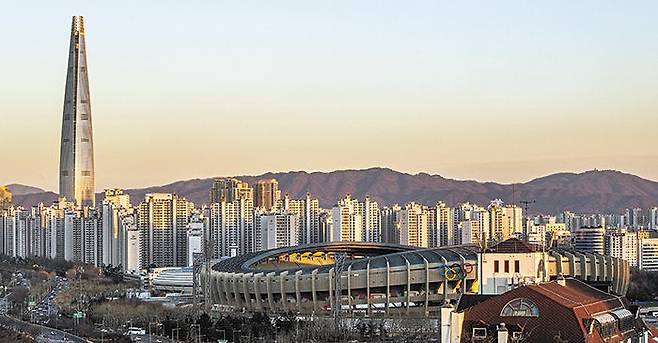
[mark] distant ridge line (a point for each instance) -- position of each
(594, 191)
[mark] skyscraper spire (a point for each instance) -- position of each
(77, 175)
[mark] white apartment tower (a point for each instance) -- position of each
(371, 220)
(622, 244)
(414, 228)
(278, 231)
(231, 227)
(347, 221)
(441, 231)
(648, 254)
(162, 219)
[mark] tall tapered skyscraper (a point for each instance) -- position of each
(77, 176)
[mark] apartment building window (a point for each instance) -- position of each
(517, 266)
(496, 266)
(506, 266)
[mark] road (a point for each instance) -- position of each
(47, 308)
(39, 332)
(154, 339)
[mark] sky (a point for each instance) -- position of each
(500, 91)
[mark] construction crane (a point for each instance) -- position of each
(526, 205)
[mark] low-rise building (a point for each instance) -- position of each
(557, 311)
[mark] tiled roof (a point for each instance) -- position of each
(578, 295)
(563, 311)
(514, 245)
(470, 300)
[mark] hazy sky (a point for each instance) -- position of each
(490, 90)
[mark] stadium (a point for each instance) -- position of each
(388, 280)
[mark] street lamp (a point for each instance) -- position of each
(198, 326)
(150, 338)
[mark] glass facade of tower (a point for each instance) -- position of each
(77, 176)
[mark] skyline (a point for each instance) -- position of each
(448, 100)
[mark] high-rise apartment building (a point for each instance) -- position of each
(5, 198)
(77, 176)
(231, 226)
(648, 254)
(514, 217)
(441, 231)
(622, 243)
(278, 231)
(162, 219)
(308, 212)
(132, 252)
(472, 233)
(590, 239)
(505, 221)
(370, 219)
(353, 220)
(414, 228)
(390, 220)
(230, 190)
(325, 225)
(266, 194)
(653, 218)
(115, 206)
(347, 220)
(195, 240)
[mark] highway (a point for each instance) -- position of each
(47, 308)
(39, 332)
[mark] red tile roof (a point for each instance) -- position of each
(563, 311)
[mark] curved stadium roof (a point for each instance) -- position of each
(377, 254)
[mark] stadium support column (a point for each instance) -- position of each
(368, 289)
(236, 294)
(259, 299)
(427, 285)
(282, 288)
(331, 296)
(245, 288)
(314, 276)
(388, 285)
(408, 283)
(298, 294)
(445, 282)
(349, 289)
(268, 286)
(558, 263)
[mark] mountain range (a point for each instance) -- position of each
(595, 191)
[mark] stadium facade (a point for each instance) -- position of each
(386, 280)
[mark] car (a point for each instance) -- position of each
(136, 331)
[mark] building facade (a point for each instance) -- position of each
(77, 175)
